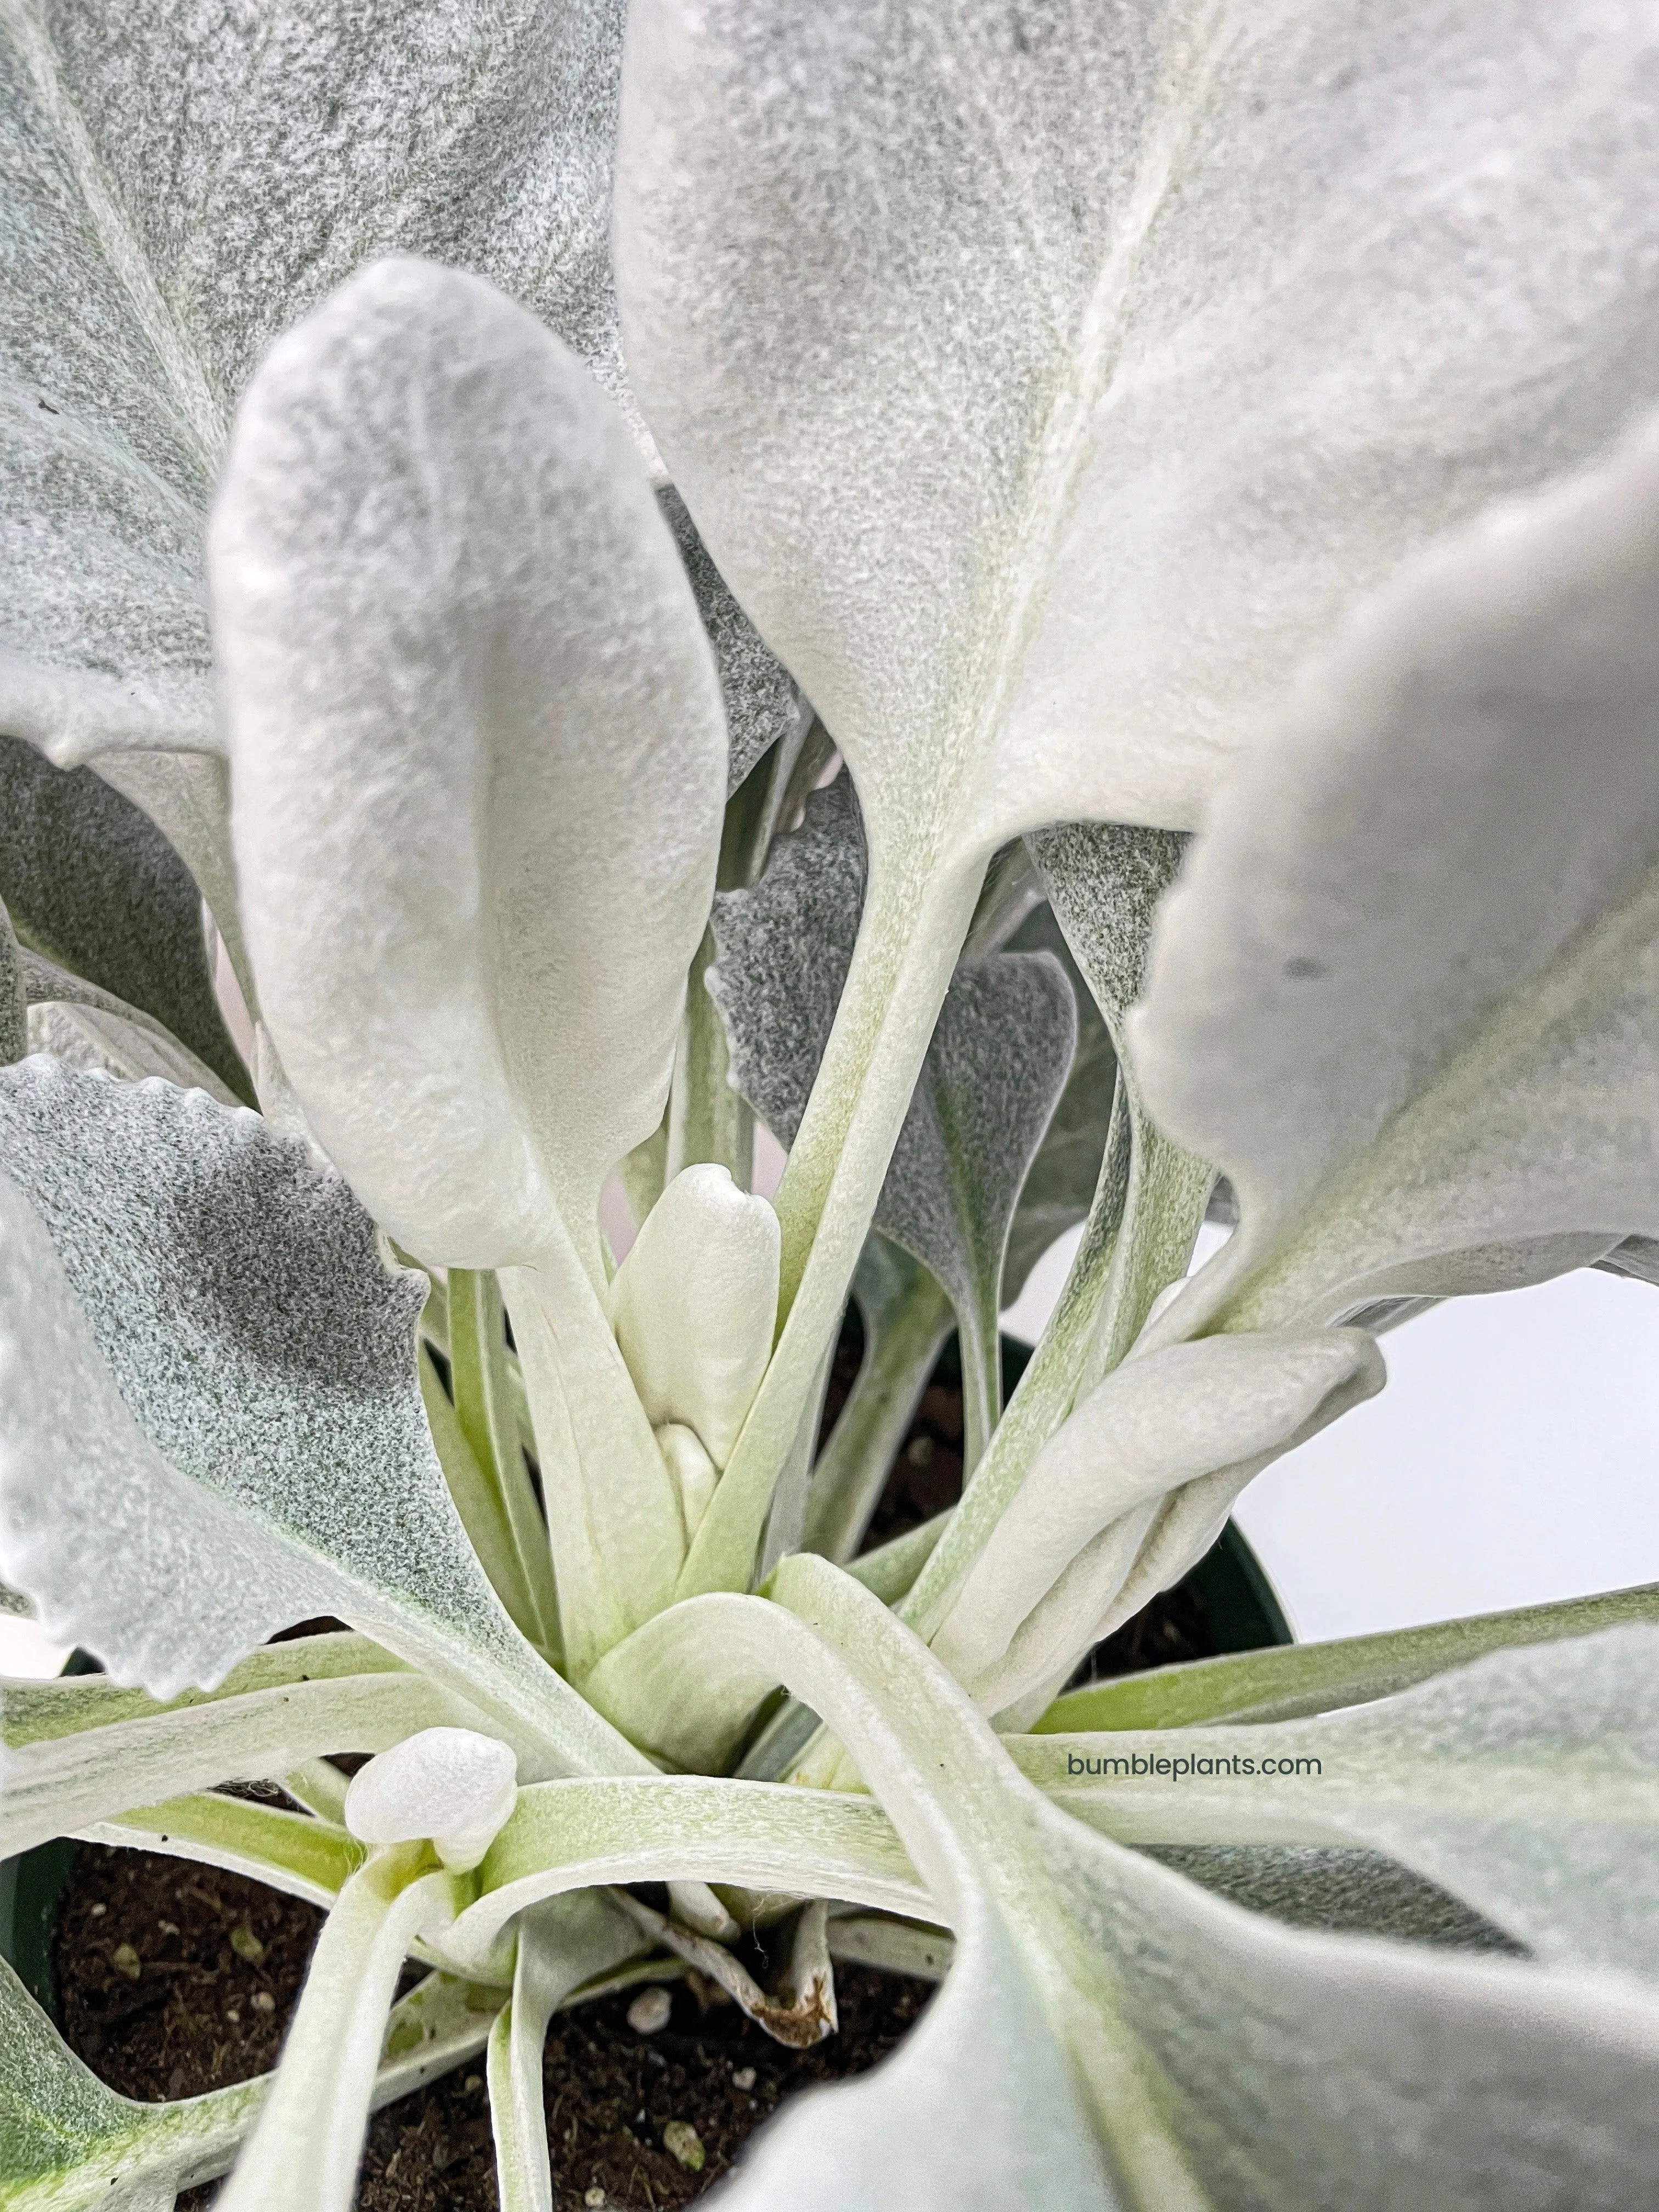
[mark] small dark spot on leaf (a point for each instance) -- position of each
(1301, 968)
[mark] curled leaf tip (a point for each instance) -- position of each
(451, 1784)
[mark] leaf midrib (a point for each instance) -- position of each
(180, 364)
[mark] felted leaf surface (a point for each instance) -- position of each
(303, 2152)
(566, 1837)
(435, 548)
(1016, 2097)
(1228, 2061)
(67, 2142)
(1057, 1192)
(175, 202)
(1294, 1679)
(287, 1852)
(761, 702)
(1406, 995)
(1336, 1887)
(1057, 1570)
(92, 884)
(51, 1785)
(86, 1028)
(1104, 883)
(999, 1057)
(1526, 1784)
(1041, 502)
(213, 1426)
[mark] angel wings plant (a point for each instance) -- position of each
(1116, 423)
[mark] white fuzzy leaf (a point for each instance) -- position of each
(1051, 1579)
(81, 1750)
(1526, 1785)
(570, 1836)
(174, 202)
(1406, 995)
(477, 759)
(1226, 2062)
(212, 1426)
(303, 2153)
(1007, 359)
(693, 1305)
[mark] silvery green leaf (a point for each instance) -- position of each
(564, 1837)
(1043, 503)
(1226, 2062)
(783, 950)
(434, 545)
(175, 202)
(287, 1851)
(1404, 995)
(761, 702)
(1638, 1257)
(67, 2143)
(1291, 1680)
(1059, 1570)
(304, 2150)
(14, 995)
(1341, 1889)
(562, 1944)
(1104, 883)
(1058, 1191)
(86, 1028)
(91, 883)
(1526, 1784)
(212, 1426)
(82, 1749)
(998, 1059)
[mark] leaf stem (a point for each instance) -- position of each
(488, 1419)
(902, 966)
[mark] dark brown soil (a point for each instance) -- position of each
(220, 1961)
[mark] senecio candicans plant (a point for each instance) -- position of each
(1117, 421)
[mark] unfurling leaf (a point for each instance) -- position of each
(452, 1786)
(1164, 1444)
(693, 1306)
